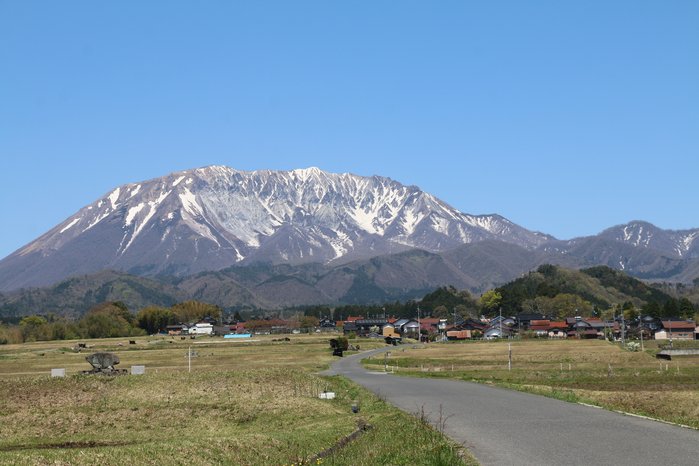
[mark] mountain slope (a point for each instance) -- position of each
(600, 286)
(402, 276)
(73, 297)
(214, 217)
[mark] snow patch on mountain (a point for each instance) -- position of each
(135, 191)
(114, 197)
(133, 211)
(70, 225)
(189, 203)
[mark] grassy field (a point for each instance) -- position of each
(243, 403)
(591, 371)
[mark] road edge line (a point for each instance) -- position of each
(640, 416)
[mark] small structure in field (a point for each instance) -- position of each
(103, 364)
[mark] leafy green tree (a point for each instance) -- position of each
(449, 297)
(630, 311)
(62, 330)
(190, 311)
(569, 305)
(466, 312)
(10, 334)
(33, 328)
(32, 321)
(607, 314)
(440, 311)
(108, 320)
(490, 301)
(671, 308)
(652, 309)
(153, 319)
(309, 322)
(686, 308)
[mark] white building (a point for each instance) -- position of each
(202, 328)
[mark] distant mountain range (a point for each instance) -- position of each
(276, 238)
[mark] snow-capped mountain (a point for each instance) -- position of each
(680, 244)
(214, 217)
(638, 248)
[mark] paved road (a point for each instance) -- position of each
(503, 427)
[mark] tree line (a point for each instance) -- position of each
(106, 320)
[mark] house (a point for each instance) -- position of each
(585, 329)
(326, 324)
(540, 327)
(175, 329)
(201, 328)
(389, 331)
(497, 332)
(470, 324)
(224, 329)
(558, 329)
(524, 319)
(370, 326)
(407, 327)
(676, 330)
(431, 324)
(651, 323)
(349, 327)
(458, 334)
(399, 323)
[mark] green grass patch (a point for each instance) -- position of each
(242, 404)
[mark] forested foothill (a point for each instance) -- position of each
(550, 290)
(594, 292)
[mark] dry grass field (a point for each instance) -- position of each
(591, 371)
(243, 403)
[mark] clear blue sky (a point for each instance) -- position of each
(566, 117)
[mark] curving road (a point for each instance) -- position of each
(503, 427)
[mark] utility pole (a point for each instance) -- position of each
(519, 328)
(501, 335)
(419, 328)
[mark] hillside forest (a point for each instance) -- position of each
(550, 290)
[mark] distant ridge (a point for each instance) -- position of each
(214, 217)
(288, 223)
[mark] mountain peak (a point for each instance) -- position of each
(213, 217)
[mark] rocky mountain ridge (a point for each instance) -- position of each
(214, 217)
